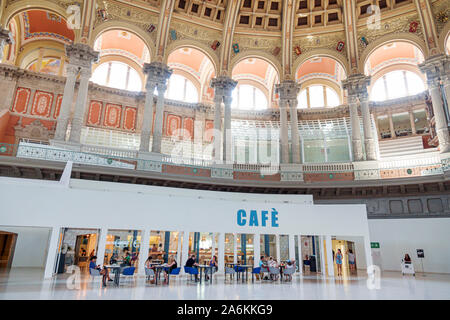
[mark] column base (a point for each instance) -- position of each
(222, 171)
(148, 155)
(366, 170)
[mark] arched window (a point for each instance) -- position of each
(396, 84)
(247, 97)
(318, 96)
(181, 89)
(117, 75)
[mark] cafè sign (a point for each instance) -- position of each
(255, 218)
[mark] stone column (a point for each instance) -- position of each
(80, 106)
(356, 130)
(437, 69)
(159, 118)
(64, 111)
(284, 138)
(292, 247)
(235, 252)
(147, 122)
(185, 249)
(300, 255)
(294, 131)
(227, 136)
(369, 141)
(223, 88)
(330, 261)
(217, 127)
(288, 91)
(213, 244)
(391, 126)
(277, 247)
(5, 38)
(413, 123)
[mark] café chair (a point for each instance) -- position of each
(289, 272)
(128, 272)
(274, 273)
(256, 271)
(149, 273)
(229, 271)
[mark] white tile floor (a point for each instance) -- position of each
(22, 283)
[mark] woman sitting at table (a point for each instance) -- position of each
(169, 267)
(104, 272)
(149, 265)
(214, 264)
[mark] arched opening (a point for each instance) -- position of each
(256, 81)
(122, 56)
(192, 71)
(394, 70)
(447, 44)
(38, 39)
(320, 78)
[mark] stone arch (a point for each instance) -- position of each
(389, 38)
(194, 45)
(126, 26)
(270, 59)
(443, 36)
(332, 54)
(25, 5)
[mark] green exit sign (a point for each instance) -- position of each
(375, 245)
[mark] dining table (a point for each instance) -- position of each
(116, 268)
(205, 267)
(158, 268)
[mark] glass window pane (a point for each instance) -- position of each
(395, 84)
(415, 83)
(302, 100)
(378, 91)
(316, 97)
(117, 78)
(332, 98)
(260, 100)
(134, 81)
(100, 74)
(191, 92)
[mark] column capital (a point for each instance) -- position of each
(157, 72)
(288, 89)
(356, 85)
(85, 73)
(436, 68)
(223, 85)
(71, 70)
(81, 55)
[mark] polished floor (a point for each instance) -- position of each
(20, 283)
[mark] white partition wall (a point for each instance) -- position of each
(108, 206)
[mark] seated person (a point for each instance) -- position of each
(264, 267)
(104, 272)
(289, 265)
(170, 266)
(191, 264)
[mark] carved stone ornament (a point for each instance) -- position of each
(81, 55)
(35, 130)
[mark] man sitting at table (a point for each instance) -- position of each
(191, 263)
(104, 272)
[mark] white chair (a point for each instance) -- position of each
(229, 271)
(274, 273)
(289, 272)
(94, 273)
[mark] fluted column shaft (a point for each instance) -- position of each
(64, 111)
(439, 117)
(369, 141)
(356, 130)
(284, 138)
(217, 126)
(80, 106)
(159, 118)
(227, 137)
(147, 122)
(294, 132)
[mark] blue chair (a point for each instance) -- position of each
(239, 270)
(174, 272)
(255, 271)
(128, 272)
(187, 271)
(193, 271)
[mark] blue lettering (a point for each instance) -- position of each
(253, 218)
(264, 217)
(274, 218)
(241, 217)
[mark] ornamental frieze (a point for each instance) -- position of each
(185, 31)
(266, 45)
(441, 14)
(399, 24)
(322, 41)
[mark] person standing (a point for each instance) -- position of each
(351, 260)
(339, 262)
